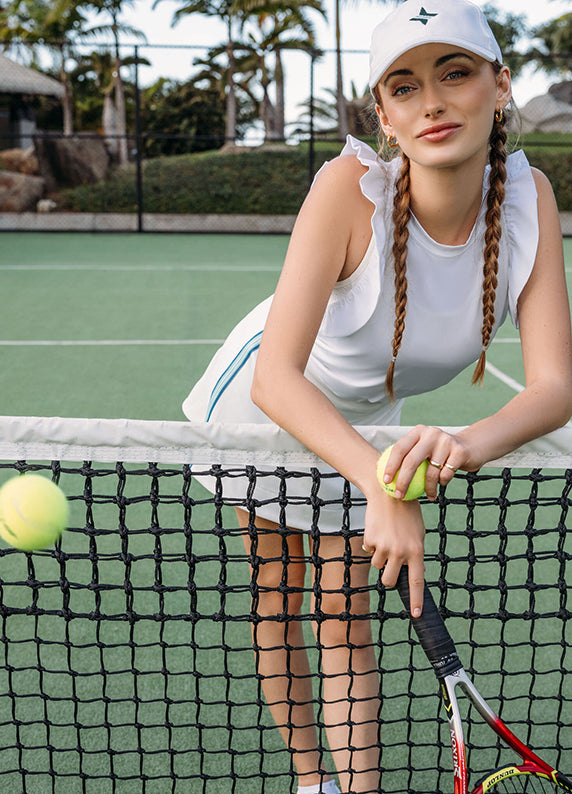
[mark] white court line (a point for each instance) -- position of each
(104, 342)
(502, 376)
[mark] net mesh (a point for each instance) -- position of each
(127, 649)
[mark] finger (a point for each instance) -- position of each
(438, 456)
(421, 443)
(400, 450)
(448, 471)
(390, 573)
(416, 587)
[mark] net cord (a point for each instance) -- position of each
(172, 442)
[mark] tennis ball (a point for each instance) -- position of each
(33, 512)
(417, 484)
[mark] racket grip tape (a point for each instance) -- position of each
(431, 631)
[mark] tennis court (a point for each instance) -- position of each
(122, 325)
(97, 643)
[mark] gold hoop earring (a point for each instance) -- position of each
(499, 115)
(392, 142)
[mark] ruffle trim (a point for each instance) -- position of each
(353, 300)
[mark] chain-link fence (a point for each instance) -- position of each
(143, 137)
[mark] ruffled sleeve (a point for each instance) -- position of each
(521, 224)
(353, 301)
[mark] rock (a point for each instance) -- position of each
(24, 161)
(46, 205)
(68, 162)
(20, 192)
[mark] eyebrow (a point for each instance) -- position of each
(439, 62)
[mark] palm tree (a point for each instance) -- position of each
(227, 11)
(556, 45)
(54, 26)
(114, 8)
(280, 25)
(214, 75)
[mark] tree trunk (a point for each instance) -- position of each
(340, 99)
(279, 115)
(67, 110)
(122, 147)
(230, 127)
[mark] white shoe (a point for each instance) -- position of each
(328, 787)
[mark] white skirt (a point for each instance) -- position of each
(299, 500)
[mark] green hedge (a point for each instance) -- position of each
(252, 182)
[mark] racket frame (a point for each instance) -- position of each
(441, 652)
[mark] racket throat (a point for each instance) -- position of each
(456, 735)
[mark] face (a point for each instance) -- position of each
(439, 101)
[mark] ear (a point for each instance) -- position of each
(384, 121)
(504, 87)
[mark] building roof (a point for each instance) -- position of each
(18, 79)
(546, 113)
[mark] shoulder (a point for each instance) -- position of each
(343, 171)
(336, 193)
(544, 191)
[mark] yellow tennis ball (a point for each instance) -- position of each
(416, 486)
(33, 512)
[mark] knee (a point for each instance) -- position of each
(276, 594)
(341, 621)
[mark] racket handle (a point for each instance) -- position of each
(432, 633)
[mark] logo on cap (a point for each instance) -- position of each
(423, 17)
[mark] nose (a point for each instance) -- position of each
(434, 102)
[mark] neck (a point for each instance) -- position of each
(446, 201)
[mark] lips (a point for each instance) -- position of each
(439, 132)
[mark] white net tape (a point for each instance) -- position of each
(129, 440)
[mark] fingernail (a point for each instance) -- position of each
(416, 612)
(398, 495)
(386, 478)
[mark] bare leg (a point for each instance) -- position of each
(351, 680)
(279, 644)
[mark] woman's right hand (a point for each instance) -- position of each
(395, 534)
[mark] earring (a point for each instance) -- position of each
(499, 115)
(392, 142)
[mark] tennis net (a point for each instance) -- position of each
(127, 649)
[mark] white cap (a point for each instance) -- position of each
(417, 22)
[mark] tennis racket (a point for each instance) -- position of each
(532, 775)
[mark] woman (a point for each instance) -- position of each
(398, 275)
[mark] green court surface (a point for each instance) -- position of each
(123, 325)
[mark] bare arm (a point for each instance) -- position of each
(546, 402)
(329, 240)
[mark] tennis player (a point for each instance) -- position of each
(397, 277)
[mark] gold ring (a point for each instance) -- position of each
(367, 551)
(453, 469)
(437, 465)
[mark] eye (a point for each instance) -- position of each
(456, 74)
(401, 90)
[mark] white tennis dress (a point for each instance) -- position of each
(352, 350)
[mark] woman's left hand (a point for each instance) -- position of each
(445, 452)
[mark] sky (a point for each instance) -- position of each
(358, 18)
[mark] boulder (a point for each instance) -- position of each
(68, 162)
(24, 161)
(20, 192)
